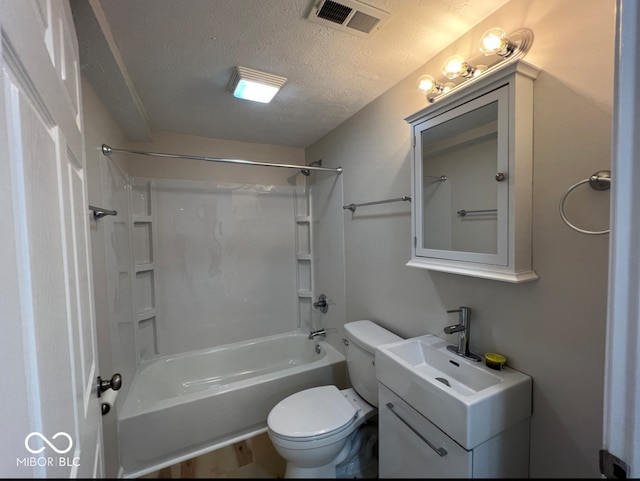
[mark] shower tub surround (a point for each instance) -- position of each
(210, 294)
(184, 405)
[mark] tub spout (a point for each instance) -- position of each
(319, 332)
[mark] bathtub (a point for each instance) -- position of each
(184, 405)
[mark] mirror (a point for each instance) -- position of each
(461, 212)
(463, 216)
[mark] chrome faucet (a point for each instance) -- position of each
(319, 332)
(463, 328)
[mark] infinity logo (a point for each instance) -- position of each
(56, 435)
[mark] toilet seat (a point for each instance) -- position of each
(312, 414)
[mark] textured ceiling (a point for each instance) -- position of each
(164, 65)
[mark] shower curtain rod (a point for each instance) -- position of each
(305, 169)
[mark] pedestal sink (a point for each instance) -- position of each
(467, 400)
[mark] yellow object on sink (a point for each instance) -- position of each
(494, 361)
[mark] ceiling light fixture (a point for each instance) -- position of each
(249, 84)
(496, 48)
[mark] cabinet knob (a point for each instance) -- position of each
(500, 176)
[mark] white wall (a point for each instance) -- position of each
(224, 260)
(554, 328)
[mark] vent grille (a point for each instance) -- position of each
(334, 12)
(351, 16)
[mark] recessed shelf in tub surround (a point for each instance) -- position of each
(144, 293)
(304, 253)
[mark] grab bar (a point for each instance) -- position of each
(99, 213)
(352, 207)
(600, 180)
(464, 212)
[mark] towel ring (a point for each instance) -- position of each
(600, 180)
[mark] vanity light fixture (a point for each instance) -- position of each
(249, 84)
(496, 47)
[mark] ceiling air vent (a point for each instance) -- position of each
(350, 16)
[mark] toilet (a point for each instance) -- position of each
(324, 432)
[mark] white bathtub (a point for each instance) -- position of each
(184, 405)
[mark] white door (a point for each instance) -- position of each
(621, 430)
(51, 422)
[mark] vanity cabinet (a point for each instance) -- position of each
(472, 178)
(411, 446)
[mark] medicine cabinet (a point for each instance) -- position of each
(472, 178)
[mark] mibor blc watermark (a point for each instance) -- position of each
(63, 445)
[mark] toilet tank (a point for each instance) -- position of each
(363, 337)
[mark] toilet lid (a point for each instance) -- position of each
(311, 412)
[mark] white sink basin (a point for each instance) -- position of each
(467, 400)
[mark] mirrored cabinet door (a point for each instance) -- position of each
(472, 178)
(461, 171)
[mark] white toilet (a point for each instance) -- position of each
(320, 428)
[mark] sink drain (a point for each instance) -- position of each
(443, 381)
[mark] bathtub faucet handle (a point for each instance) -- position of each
(322, 305)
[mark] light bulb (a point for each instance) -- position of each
(427, 83)
(454, 67)
(494, 41)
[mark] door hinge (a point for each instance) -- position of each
(612, 467)
(415, 241)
